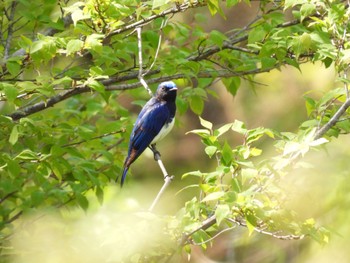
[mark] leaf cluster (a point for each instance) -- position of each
(65, 66)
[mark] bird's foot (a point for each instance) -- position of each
(169, 177)
(155, 152)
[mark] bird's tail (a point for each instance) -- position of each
(125, 171)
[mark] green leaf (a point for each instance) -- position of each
(99, 195)
(14, 67)
(37, 197)
(301, 44)
(257, 34)
(14, 135)
(74, 45)
(76, 11)
(57, 169)
(197, 104)
(159, 3)
(221, 212)
(231, 3)
(248, 173)
(94, 42)
(213, 196)
(206, 124)
(239, 127)
(267, 62)
(82, 201)
(36, 46)
(217, 38)
(10, 91)
(96, 85)
(223, 129)
(232, 84)
(210, 150)
(251, 222)
(213, 6)
(227, 154)
(13, 167)
(291, 3)
(181, 105)
(200, 132)
(307, 10)
(193, 173)
(318, 142)
(27, 155)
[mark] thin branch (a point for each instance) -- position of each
(336, 117)
(212, 220)
(333, 121)
(215, 236)
(173, 10)
(7, 196)
(94, 138)
(140, 75)
(164, 22)
(108, 83)
(9, 29)
(262, 231)
(205, 225)
(167, 179)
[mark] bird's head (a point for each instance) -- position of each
(166, 91)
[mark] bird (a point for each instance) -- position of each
(154, 122)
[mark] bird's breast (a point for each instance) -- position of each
(164, 131)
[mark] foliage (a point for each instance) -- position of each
(65, 65)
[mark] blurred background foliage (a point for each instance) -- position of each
(69, 96)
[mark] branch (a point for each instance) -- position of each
(333, 121)
(108, 83)
(122, 130)
(212, 220)
(140, 75)
(262, 231)
(10, 17)
(176, 9)
(167, 179)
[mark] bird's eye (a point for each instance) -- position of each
(163, 88)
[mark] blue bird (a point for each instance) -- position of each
(154, 122)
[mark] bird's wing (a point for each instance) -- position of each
(150, 121)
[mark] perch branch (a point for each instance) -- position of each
(108, 83)
(167, 178)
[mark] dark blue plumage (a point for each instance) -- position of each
(155, 121)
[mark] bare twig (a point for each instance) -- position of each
(173, 10)
(167, 178)
(10, 30)
(164, 22)
(140, 75)
(94, 138)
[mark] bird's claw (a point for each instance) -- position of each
(156, 153)
(171, 177)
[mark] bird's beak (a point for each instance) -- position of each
(175, 88)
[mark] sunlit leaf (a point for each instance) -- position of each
(213, 196)
(210, 150)
(221, 212)
(14, 135)
(205, 123)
